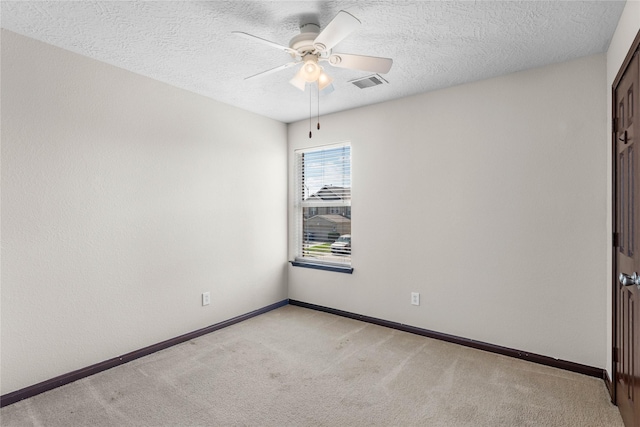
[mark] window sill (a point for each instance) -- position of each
(326, 267)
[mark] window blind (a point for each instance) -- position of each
(323, 204)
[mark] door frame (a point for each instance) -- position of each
(611, 384)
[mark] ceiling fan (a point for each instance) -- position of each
(312, 47)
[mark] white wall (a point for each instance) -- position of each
(123, 199)
(627, 29)
(490, 200)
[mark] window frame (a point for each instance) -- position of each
(299, 205)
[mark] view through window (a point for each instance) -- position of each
(324, 204)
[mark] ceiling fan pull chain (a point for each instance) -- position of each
(310, 134)
(318, 86)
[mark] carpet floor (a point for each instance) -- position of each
(299, 367)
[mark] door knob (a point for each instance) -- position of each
(626, 280)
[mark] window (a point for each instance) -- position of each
(323, 206)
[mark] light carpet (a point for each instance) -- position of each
(299, 367)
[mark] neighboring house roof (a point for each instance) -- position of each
(330, 218)
(329, 192)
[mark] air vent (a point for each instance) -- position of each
(369, 81)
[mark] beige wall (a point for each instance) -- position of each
(628, 27)
(123, 199)
(502, 229)
(114, 187)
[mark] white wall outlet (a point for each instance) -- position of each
(415, 298)
(206, 298)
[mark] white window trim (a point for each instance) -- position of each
(299, 205)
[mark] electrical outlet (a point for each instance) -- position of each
(206, 298)
(415, 298)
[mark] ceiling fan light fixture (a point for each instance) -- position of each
(309, 67)
(311, 70)
(324, 80)
(298, 80)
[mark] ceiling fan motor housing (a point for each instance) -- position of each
(303, 42)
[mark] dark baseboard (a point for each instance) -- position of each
(70, 377)
(518, 354)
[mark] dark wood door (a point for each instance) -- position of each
(627, 239)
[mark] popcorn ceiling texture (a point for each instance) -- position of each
(433, 44)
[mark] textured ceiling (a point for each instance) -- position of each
(434, 44)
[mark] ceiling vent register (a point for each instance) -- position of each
(369, 81)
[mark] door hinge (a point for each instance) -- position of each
(614, 124)
(616, 359)
(615, 239)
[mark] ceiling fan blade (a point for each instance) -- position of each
(361, 62)
(264, 41)
(340, 27)
(272, 70)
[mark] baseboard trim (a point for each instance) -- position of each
(70, 377)
(492, 348)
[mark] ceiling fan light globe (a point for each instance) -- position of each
(324, 80)
(298, 80)
(311, 71)
(300, 84)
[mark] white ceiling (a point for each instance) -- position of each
(434, 44)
